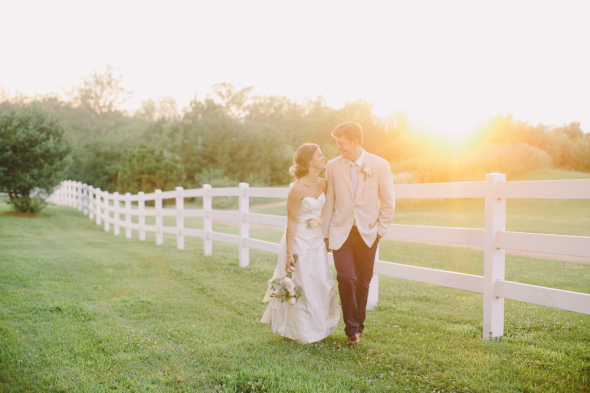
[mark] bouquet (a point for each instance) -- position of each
(286, 289)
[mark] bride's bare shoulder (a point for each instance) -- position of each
(296, 190)
(324, 184)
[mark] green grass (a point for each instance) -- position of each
(82, 310)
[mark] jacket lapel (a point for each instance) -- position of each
(361, 177)
(346, 174)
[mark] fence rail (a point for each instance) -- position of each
(494, 238)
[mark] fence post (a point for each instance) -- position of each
(159, 233)
(73, 194)
(244, 207)
(116, 210)
(207, 221)
(374, 287)
(68, 191)
(98, 205)
(80, 194)
(76, 193)
(107, 213)
(85, 198)
(141, 208)
(91, 202)
(128, 215)
(179, 218)
(493, 258)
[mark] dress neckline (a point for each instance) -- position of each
(315, 199)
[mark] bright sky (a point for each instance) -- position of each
(447, 64)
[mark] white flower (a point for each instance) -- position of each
(367, 170)
(292, 301)
(293, 169)
(287, 281)
(314, 223)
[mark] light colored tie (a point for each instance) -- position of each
(354, 176)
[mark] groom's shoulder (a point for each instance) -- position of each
(334, 161)
(378, 160)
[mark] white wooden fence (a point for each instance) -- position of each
(494, 238)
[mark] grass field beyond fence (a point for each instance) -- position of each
(82, 310)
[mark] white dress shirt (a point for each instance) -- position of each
(359, 161)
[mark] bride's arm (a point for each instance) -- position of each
(328, 209)
(293, 202)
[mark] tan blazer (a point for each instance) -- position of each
(372, 209)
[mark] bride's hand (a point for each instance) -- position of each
(290, 262)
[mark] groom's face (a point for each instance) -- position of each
(346, 147)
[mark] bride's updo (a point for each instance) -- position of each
(303, 156)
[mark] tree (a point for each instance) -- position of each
(33, 155)
(147, 110)
(221, 143)
(233, 101)
(101, 93)
(148, 168)
(198, 110)
(167, 108)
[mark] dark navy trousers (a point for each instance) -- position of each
(354, 267)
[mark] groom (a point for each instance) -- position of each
(357, 213)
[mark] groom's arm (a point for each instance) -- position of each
(328, 209)
(387, 198)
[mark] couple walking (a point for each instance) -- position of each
(354, 204)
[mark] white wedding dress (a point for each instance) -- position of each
(316, 313)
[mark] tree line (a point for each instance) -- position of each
(234, 136)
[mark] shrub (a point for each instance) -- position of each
(33, 156)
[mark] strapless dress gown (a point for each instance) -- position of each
(316, 314)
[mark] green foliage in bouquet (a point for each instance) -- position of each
(286, 289)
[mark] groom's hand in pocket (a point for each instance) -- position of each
(377, 240)
(327, 241)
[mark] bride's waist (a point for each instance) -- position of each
(306, 218)
(310, 222)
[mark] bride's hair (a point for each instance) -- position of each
(303, 156)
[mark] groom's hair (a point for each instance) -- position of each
(349, 130)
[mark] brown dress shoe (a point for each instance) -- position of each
(354, 339)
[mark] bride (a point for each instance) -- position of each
(316, 313)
